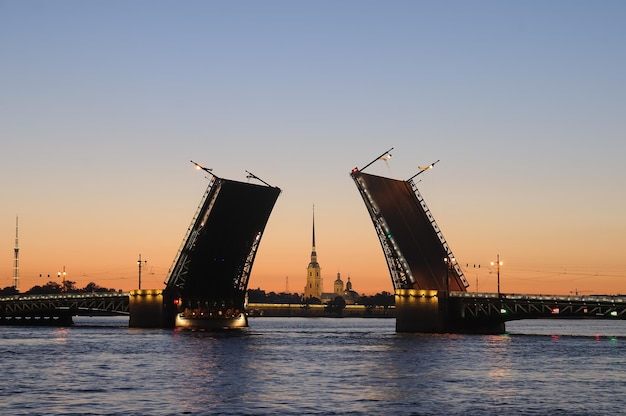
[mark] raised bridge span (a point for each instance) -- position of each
(430, 288)
(207, 283)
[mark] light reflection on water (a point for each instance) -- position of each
(313, 366)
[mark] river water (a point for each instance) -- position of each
(313, 366)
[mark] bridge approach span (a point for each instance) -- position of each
(511, 307)
(38, 309)
(439, 311)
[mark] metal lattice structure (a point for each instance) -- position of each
(510, 307)
(240, 282)
(178, 272)
(453, 263)
(76, 303)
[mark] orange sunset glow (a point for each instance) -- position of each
(102, 111)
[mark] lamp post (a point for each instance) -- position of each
(498, 263)
(62, 274)
(385, 156)
(139, 262)
(449, 261)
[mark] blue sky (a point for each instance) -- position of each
(104, 103)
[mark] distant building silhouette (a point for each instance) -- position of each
(350, 295)
(338, 285)
(346, 292)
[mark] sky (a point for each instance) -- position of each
(104, 103)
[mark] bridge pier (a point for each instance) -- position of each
(148, 309)
(419, 311)
(430, 311)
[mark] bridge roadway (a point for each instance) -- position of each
(59, 308)
(510, 307)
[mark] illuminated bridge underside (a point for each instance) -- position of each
(413, 245)
(214, 262)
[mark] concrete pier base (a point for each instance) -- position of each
(430, 311)
(419, 311)
(147, 309)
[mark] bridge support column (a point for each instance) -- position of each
(147, 309)
(431, 311)
(420, 311)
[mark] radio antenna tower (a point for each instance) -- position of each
(16, 261)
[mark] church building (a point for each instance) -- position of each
(314, 283)
(313, 288)
(349, 295)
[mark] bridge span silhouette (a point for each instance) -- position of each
(430, 288)
(207, 283)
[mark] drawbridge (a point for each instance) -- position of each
(423, 269)
(210, 273)
(430, 288)
(417, 254)
(207, 283)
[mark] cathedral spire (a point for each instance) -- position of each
(313, 252)
(313, 288)
(16, 261)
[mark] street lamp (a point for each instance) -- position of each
(498, 263)
(449, 261)
(139, 262)
(59, 274)
(384, 157)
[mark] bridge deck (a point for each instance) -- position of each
(411, 240)
(466, 306)
(509, 307)
(113, 303)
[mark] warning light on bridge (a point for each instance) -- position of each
(555, 310)
(503, 311)
(613, 313)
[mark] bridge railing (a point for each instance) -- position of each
(507, 307)
(455, 265)
(560, 298)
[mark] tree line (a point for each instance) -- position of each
(52, 288)
(384, 299)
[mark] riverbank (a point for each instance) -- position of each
(301, 310)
